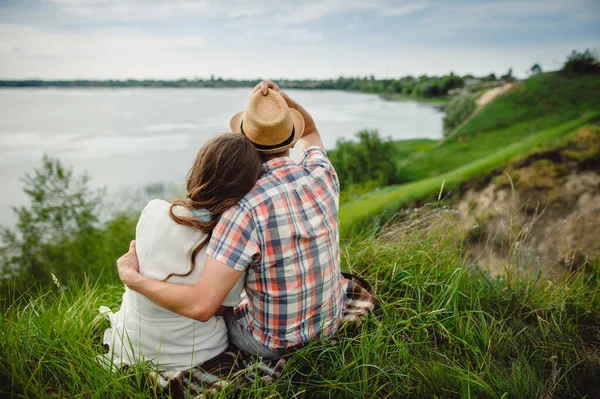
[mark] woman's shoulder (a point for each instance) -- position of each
(155, 205)
(163, 245)
(156, 214)
(161, 208)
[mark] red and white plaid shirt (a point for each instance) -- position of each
(285, 233)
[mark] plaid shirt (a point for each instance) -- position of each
(285, 233)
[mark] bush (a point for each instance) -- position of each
(368, 160)
(585, 63)
(458, 111)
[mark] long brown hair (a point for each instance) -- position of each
(224, 171)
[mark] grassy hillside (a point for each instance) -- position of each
(444, 329)
(411, 147)
(539, 112)
(542, 102)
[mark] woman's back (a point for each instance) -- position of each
(143, 330)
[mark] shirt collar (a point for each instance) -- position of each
(276, 163)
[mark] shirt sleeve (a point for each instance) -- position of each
(235, 240)
(315, 158)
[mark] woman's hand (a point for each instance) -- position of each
(128, 267)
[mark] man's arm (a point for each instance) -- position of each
(311, 135)
(199, 302)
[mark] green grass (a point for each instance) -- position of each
(384, 203)
(405, 148)
(541, 102)
(444, 329)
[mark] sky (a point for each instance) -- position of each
(137, 39)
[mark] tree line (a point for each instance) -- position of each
(422, 86)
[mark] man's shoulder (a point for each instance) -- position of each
(263, 191)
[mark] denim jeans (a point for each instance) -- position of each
(241, 337)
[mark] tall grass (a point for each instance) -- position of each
(444, 329)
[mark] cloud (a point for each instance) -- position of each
(121, 53)
(106, 11)
(299, 35)
(282, 13)
(403, 9)
(184, 38)
(33, 52)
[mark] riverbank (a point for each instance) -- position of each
(426, 87)
(438, 102)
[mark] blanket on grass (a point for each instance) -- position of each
(235, 367)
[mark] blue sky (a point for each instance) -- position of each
(99, 39)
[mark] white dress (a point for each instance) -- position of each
(143, 331)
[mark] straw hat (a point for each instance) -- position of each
(269, 123)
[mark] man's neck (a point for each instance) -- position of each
(267, 157)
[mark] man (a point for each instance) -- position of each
(283, 233)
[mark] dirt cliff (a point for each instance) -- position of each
(540, 213)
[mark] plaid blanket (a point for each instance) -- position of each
(237, 368)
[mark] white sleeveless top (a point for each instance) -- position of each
(141, 330)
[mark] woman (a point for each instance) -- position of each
(225, 169)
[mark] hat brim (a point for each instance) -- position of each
(297, 120)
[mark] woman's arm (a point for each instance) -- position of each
(199, 302)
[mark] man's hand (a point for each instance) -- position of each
(311, 134)
(128, 266)
(264, 87)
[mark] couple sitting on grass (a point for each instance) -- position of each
(251, 255)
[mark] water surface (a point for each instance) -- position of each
(128, 138)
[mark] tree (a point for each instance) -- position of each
(489, 78)
(508, 77)
(57, 232)
(584, 63)
(452, 82)
(536, 69)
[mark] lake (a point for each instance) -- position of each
(129, 138)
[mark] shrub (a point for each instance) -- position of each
(370, 159)
(458, 111)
